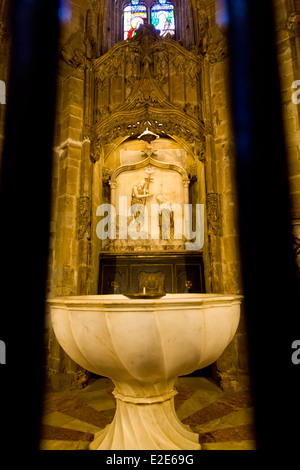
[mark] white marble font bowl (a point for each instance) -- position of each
(143, 345)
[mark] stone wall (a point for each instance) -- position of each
(287, 22)
(72, 246)
(223, 262)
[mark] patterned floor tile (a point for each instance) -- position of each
(243, 445)
(63, 445)
(224, 421)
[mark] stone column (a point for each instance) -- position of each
(186, 184)
(113, 185)
(73, 268)
(85, 197)
(214, 277)
(63, 373)
(231, 369)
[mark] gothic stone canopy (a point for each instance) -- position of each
(147, 81)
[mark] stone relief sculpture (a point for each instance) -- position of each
(296, 245)
(84, 218)
(166, 217)
(202, 25)
(139, 195)
(163, 202)
(213, 213)
(140, 192)
(151, 211)
(293, 23)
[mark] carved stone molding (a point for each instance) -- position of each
(296, 250)
(73, 52)
(149, 151)
(192, 110)
(90, 38)
(293, 23)
(150, 161)
(84, 218)
(73, 56)
(96, 5)
(163, 124)
(201, 26)
(296, 245)
(216, 52)
(82, 46)
(200, 151)
(147, 81)
(2, 31)
(106, 175)
(213, 213)
(208, 127)
(193, 172)
(95, 151)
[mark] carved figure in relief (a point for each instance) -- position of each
(91, 43)
(293, 22)
(166, 217)
(202, 25)
(163, 202)
(140, 193)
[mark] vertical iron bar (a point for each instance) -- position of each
(269, 269)
(24, 210)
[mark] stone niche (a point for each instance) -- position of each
(159, 174)
(156, 258)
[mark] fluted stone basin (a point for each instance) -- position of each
(143, 345)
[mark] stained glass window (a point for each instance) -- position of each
(162, 17)
(134, 16)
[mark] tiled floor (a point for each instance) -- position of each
(224, 421)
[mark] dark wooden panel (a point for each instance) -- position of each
(114, 279)
(188, 278)
(156, 277)
(169, 273)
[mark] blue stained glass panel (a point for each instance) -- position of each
(163, 19)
